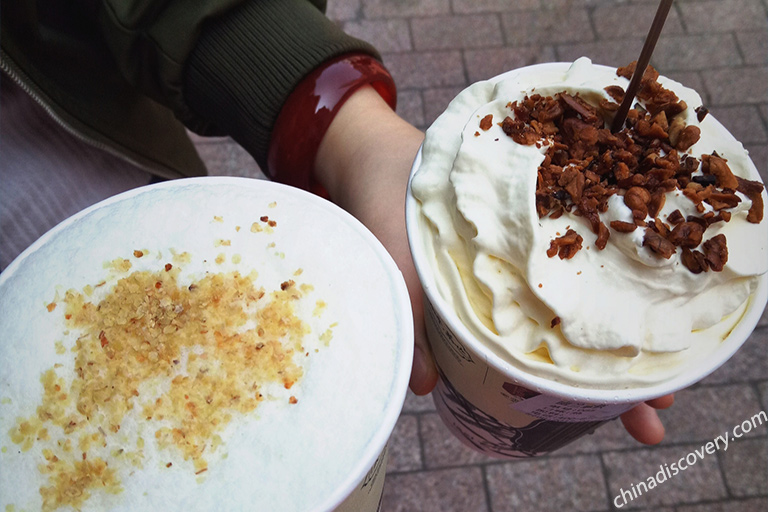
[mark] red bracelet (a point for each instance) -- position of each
(309, 110)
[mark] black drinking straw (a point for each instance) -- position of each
(642, 63)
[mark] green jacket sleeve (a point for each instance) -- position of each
(223, 66)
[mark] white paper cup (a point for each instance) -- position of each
(503, 411)
(326, 452)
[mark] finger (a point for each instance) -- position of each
(662, 402)
(423, 371)
(643, 423)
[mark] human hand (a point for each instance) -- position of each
(364, 162)
(642, 422)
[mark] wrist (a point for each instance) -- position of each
(310, 110)
(366, 145)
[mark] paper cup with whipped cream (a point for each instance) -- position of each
(571, 273)
(202, 344)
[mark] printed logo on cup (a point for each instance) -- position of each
(445, 335)
(486, 434)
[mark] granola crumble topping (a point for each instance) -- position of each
(585, 164)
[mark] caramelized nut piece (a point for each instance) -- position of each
(486, 122)
(687, 234)
(675, 217)
(565, 246)
(658, 244)
(713, 164)
(694, 261)
(753, 190)
(689, 136)
(637, 198)
(623, 227)
(716, 252)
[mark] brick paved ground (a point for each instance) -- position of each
(434, 48)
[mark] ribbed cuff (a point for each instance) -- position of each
(247, 63)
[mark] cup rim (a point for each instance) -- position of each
(401, 306)
(589, 395)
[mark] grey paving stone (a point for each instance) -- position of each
(618, 52)
(747, 364)
(699, 482)
(753, 45)
(225, 157)
(696, 52)
(608, 437)
(404, 8)
(568, 483)
(759, 155)
(468, 31)
(651, 509)
(763, 388)
(426, 69)
(410, 107)
(719, 16)
(690, 79)
(404, 445)
(435, 101)
(416, 403)
(385, 35)
(763, 319)
(441, 448)
(487, 63)
(748, 505)
(613, 21)
(738, 85)
(702, 413)
(764, 111)
(559, 4)
(744, 122)
(474, 6)
(547, 26)
(746, 468)
(340, 10)
(458, 490)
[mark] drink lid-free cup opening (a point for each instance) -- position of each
(706, 366)
(310, 455)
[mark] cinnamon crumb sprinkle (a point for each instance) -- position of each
(150, 330)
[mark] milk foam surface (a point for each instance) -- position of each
(282, 457)
(627, 317)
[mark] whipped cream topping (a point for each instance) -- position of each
(617, 317)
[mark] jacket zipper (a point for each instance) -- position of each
(20, 79)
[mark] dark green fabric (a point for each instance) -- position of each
(56, 51)
(238, 78)
(116, 71)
